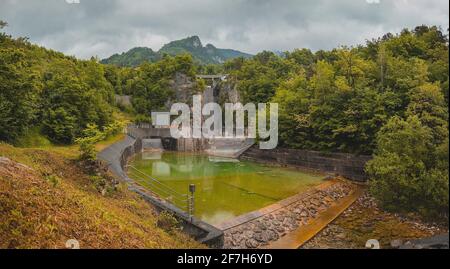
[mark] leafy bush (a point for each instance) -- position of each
(54, 180)
(91, 136)
(142, 119)
(167, 222)
(113, 128)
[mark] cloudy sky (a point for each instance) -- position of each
(103, 27)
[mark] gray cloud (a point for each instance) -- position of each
(104, 27)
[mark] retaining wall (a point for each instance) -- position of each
(346, 165)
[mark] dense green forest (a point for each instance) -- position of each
(387, 98)
(338, 100)
(44, 89)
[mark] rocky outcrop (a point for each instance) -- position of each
(227, 93)
(184, 88)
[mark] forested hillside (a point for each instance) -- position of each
(338, 100)
(132, 58)
(44, 89)
(208, 54)
(388, 98)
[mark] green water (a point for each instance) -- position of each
(224, 188)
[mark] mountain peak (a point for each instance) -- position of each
(195, 41)
(191, 45)
(189, 42)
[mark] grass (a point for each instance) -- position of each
(46, 198)
(33, 139)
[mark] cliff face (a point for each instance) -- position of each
(228, 93)
(184, 88)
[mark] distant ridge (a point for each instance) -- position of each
(208, 54)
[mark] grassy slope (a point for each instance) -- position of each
(54, 200)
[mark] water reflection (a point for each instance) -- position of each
(160, 169)
(152, 155)
(218, 217)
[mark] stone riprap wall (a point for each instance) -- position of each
(117, 156)
(345, 165)
(259, 228)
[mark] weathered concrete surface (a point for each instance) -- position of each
(191, 145)
(261, 228)
(340, 164)
(152, 144)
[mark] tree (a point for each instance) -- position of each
(17, 95)
(71, 102)
(258, 78)
(294, 101)
(428, 104)
(403, 175)
(322, 81)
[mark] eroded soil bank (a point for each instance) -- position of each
(47, 199)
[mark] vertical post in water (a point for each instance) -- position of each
(191, 200)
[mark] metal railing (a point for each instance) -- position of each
(181, 200)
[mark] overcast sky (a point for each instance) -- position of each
(104, 27)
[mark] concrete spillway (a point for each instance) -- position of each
(229, 147)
